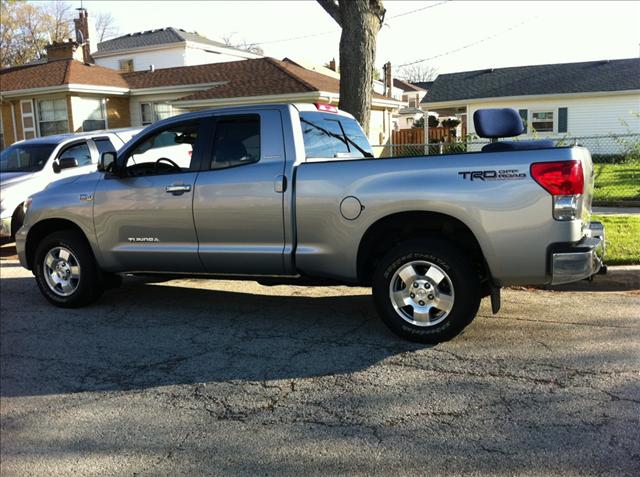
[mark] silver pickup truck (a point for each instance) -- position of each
(293, 194)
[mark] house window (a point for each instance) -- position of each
(146, 110)
(410, 122)
(52, 116)
(152, 112)
(94, 114)
(162, 110)
(126, 66)
(412, 102)
(542, 121)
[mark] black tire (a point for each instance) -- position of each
(90, 285)
(461, 274)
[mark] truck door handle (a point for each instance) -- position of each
(280, 184)
(177, 189)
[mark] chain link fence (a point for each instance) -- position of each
(616, 161)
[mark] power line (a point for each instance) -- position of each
(313, 35)
(469, 45)
(295, 38)
(418, 9)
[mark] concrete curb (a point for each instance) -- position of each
(616, 210)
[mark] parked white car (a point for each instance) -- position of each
(27, 167)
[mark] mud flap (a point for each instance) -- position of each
(495, 299)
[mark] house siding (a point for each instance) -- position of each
(7, 124)
(161, 58)
(199, 56)
(586, 116)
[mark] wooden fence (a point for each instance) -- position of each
(416, 135)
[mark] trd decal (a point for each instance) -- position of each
(500, 175)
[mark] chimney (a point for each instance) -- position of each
(64, 50)
(332, 65)
(388, 80)
(82, 34)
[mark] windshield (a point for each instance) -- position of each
(25, 157)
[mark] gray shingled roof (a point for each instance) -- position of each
(590, 76)
(426, 85)
(156, 37)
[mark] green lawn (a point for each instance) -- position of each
(617, 182)
(622, 233)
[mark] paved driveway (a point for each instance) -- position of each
(214, 377)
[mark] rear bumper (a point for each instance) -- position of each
(573, 262)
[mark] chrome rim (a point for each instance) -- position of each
(61, 271)
(421, 293)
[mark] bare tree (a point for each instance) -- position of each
(106, 26)
(360, 21)
(417, 72)
(58, 19)
(242, 44)
(23, 34)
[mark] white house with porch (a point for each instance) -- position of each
(594, 98)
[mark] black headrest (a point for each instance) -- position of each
(494, 123)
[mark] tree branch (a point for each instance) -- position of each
(332, 8)
(377, 8)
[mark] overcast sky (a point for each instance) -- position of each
(457, 35)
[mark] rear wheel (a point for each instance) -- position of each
(66, 271)
(426, 290)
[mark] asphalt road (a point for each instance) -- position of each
(214, 377)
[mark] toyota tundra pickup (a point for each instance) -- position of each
(293, 194)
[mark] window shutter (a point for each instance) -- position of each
(523, 114)
(562, 120)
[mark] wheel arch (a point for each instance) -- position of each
(17, 218)
(398, 227)
(45, 227)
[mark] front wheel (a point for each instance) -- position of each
(426, 290)
(66, 271)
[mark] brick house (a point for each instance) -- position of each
(61, 95)
(64, 94)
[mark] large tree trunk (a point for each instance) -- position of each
(360, 21)
(360, 28)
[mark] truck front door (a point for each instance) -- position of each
(144, 217)
(239, 194)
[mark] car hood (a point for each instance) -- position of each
(12, 178)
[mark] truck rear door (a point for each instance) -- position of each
(239, 196)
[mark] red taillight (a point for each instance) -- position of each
(327, 108)
(559, 178)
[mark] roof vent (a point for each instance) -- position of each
(152, 68)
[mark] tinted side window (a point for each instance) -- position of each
(167, 151)
(175, 143)
(79, 152)
(104, 145)
(237, 142)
